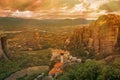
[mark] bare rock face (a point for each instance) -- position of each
(3, 47)
(100, 36)
(80, 37)
(105, 33)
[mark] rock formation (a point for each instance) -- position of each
(3, 47)
(101, 35)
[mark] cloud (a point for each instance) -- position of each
(26, 14)
(111, 6)
(79, 8)
(19, 4)
(35, 5)
(57, 7)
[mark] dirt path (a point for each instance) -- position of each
(27, 71)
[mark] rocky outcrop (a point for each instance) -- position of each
(104, 33)
(27, 71)
(100, 36)
(80, 37)
(3, 47)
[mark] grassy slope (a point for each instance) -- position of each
(24, 59)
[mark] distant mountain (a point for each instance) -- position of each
(9, 22)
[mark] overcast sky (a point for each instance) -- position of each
(58, 8)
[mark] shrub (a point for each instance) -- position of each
(93, 70)
(109, 73)
(84, 71)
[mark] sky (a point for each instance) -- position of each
(47, 9)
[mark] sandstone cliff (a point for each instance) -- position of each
(101, 35)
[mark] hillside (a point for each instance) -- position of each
(8, 23)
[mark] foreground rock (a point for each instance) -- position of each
(27, 71)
